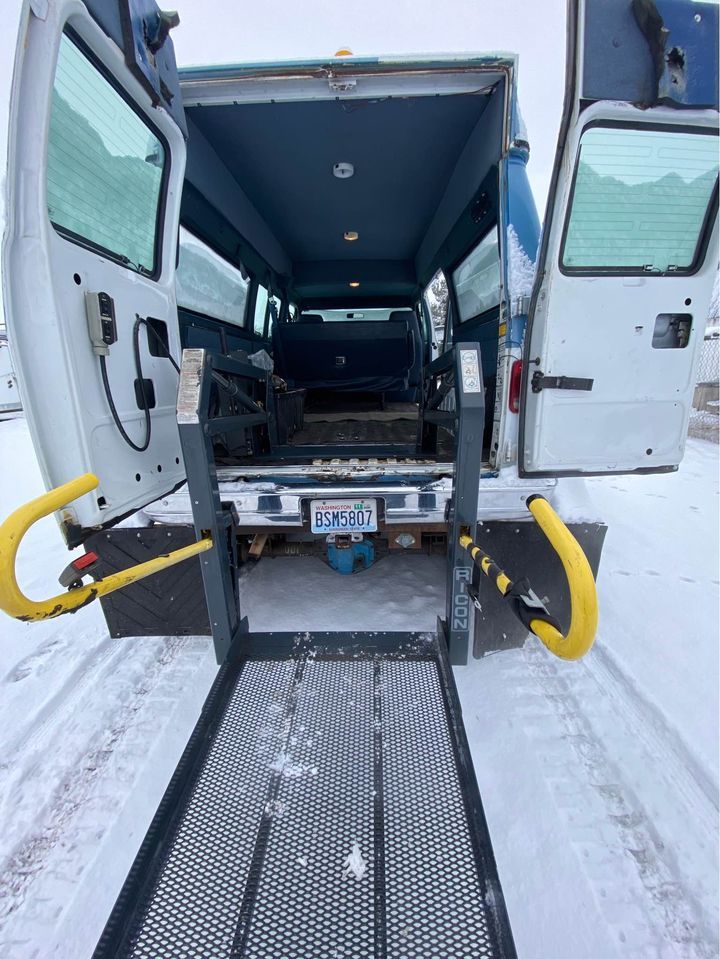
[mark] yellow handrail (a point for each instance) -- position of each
(581, 582)
(583, 592)
(14, 602)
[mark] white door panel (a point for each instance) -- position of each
(46, 275)
(624, 282)
(602, 328)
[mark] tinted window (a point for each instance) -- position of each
(208, 284)
(477, 279)
(275, 308)
(261, 301)
(104, 165)
(348, 316)
(436, 301)
(640, 199)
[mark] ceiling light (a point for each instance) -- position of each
(343, 170)
(354, 283)
(350, 235)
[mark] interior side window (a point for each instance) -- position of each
(276, 306)
(208, 284)
(104, 166)
(436, 302)
(477, 279)
(261, 302)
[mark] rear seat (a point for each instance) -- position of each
(357, 355)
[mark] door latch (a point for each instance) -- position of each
(541, 382)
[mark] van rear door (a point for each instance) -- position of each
(95, 171)
(629, 249)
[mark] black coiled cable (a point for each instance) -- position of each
(139, 321)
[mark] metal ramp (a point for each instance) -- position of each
(310, 748)
(326, 806)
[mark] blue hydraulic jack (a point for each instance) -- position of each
(349, 552)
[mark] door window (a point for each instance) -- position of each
(640, 200)
(105, 165)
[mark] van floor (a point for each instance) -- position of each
(339, 429)
(336, 419)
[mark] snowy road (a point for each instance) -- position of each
(599, 779)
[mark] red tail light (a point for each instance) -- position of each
(514, 391)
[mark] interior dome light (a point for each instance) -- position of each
(350, 235)
(343, 170)
(354, 283)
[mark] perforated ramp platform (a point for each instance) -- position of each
(325, 808)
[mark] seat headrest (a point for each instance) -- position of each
(310, 318)
(401, 316)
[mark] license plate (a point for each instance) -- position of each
(344, 516)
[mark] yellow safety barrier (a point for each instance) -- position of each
(581, 582)
(14, 602)
(583, 592)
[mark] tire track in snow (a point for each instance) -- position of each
(62, 703)
(82, 766)
(660, 738)
(672, 906)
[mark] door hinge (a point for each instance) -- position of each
(342, 84)
(542, 382)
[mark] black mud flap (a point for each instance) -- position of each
(168, 603)
(522, 550)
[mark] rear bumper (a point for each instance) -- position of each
(281, 504)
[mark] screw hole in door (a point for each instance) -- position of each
(77, 278)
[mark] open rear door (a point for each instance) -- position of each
(95, 170)
(629, 251)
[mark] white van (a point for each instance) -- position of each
(294, 216)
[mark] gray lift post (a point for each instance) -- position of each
(469, 427)
(457, 374)
(201, 370)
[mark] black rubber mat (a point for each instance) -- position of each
(325, 807)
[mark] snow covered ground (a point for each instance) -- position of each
(599, 778)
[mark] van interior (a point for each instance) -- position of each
(310, 230)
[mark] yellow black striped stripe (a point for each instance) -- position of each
(487, 564)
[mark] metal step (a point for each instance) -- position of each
(325, 808)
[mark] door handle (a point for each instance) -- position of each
(541, 382)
